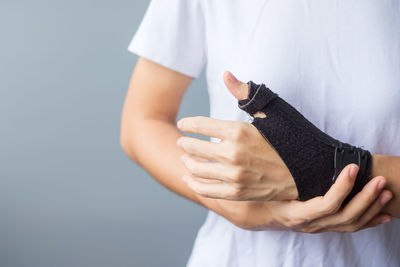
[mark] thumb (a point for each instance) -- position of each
(237, 88)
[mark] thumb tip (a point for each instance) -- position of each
(237, 88)
(229, 78)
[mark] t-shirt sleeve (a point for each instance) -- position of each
(172, 34)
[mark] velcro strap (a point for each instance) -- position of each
(261, 96)
(347, 155)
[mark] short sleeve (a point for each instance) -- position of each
(172, 34)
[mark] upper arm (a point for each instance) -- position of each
(155, 92)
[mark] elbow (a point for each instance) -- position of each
(126, 145)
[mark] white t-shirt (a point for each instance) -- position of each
(337, 62)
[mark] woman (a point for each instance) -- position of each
(336, 62)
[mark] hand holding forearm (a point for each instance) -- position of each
(149, 135)
(160, 156)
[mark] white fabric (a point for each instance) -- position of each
(338, 62)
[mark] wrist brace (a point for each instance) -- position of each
(313, 158)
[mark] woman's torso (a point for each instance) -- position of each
(337, 62)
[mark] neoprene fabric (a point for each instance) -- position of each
(314, 158)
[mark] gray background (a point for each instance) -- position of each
(68, 194)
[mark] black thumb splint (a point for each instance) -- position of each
(314, 158)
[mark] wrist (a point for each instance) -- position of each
(377, 165)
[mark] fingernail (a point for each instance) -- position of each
(183, 158)
(381, 184)
(179, 124)
(353, 172)
(178, 142)
(385, 199)
(385, 220)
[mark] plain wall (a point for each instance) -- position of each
(68, 194)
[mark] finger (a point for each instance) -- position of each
(199, 158)
(300, 214)
(200, 148)
(375, 209)
(207, 126)
(332, 200)
(341, 188)
(207, 169)
(237, 88)
(211, 188)
(375, 221)
(378, 219)
(362, 201)
(347, 219)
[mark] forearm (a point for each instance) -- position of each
(153, 146)
(389, 167)
(160, 156)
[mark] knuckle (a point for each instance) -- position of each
(357, 227)
(311, 230)
(353, 228)
(238, 175)
(235, 156)
(237, 192)
(188, 162)
(186, 143)
(288, 224)
(195, 125)
(348, 220)
(294, 223)
(192, 167)
(240, 133)
(372, 196)
(199, 190)
(330, 207)
(182, 141)
(203, 192)
(300, 221)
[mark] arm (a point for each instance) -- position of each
(149, 135)
(148, 132)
